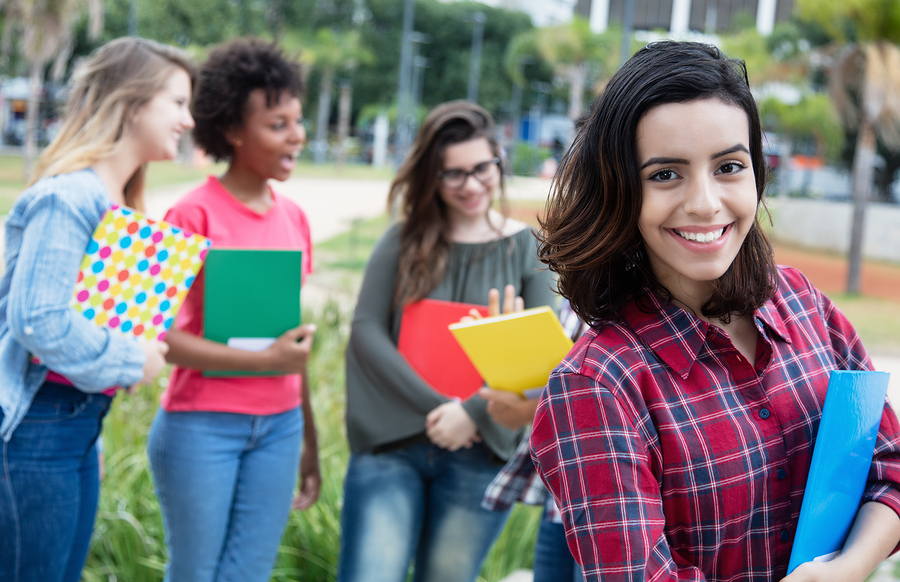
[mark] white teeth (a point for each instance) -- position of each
(701, 237)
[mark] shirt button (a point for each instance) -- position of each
(785, 535)
(28, 330)
(782, 473)
(764, 413)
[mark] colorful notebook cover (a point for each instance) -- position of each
(515, 351)
(840, 464)
(250, 298)
(431, 350)
(136, 273)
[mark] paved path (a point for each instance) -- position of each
(332, 203)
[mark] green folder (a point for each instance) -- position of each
(250, 298)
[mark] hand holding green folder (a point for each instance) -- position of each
(250, 298)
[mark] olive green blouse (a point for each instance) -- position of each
(387, 401)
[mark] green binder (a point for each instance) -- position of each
(250, 298)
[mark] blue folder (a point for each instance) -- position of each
(840, 464)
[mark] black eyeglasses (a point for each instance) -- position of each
(454, 179)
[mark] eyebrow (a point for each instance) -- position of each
(663, 161)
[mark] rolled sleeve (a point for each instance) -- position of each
(54, 237)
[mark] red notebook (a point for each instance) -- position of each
(432, 351)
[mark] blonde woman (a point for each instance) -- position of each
(128, 106)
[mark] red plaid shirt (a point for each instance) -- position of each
(672, 457)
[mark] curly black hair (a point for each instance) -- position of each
(232, 71)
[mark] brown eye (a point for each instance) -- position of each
(664, 176)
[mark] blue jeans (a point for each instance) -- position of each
(420, 502)
(225, 484)
(553, 562)
(49, 483)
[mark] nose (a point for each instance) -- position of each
(703, 197)
(299, 133)
(189, 121)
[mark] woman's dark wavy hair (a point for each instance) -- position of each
(590, 233)
(424, 238)
(232, 71)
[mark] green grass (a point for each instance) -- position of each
(876, 320)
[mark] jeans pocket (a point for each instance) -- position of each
(53, 409)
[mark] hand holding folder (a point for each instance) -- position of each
(251, 299)
(840, 464)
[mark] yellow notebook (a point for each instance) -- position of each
(514, 351)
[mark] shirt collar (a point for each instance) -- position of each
(677, 336)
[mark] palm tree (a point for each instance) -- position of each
(46, 34)
(332, 52)
(575, 53)
(864, 83)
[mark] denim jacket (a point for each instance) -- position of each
(47, 232)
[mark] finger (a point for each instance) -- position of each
(493, 302)
(301, 331)
(163, 348)
(509, 299)
(133, 388)
(520, 304)
(486, 393)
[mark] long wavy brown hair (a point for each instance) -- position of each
(424, 237)
(590, 233)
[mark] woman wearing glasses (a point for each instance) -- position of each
(420, 461)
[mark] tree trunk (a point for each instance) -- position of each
(344, 104)
(576, 92)
(31, 118)
(863, 170)
(321, 145)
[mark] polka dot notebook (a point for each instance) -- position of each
(136, 273)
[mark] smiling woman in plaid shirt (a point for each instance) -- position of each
(676, 437)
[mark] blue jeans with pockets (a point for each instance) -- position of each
(49, 485)
(225, 482)
(420, 503)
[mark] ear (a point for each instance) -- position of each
(234, 137)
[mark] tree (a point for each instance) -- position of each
(332, 52)
(574, 51)
(864, 82)
(46, 34)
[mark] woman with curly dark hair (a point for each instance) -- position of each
(224, 451)
(677, 435)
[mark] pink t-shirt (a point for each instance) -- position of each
(212, 211)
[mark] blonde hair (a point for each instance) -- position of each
(106, 90)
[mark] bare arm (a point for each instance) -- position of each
(310, 474)
(875, 534)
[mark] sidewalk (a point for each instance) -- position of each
(330, 203)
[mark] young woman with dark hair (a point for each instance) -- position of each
(677, 435)
(225, 451)
(421, 461)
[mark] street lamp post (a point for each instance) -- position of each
(475, 58)
(402, 140)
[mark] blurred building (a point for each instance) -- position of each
(677, 17)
